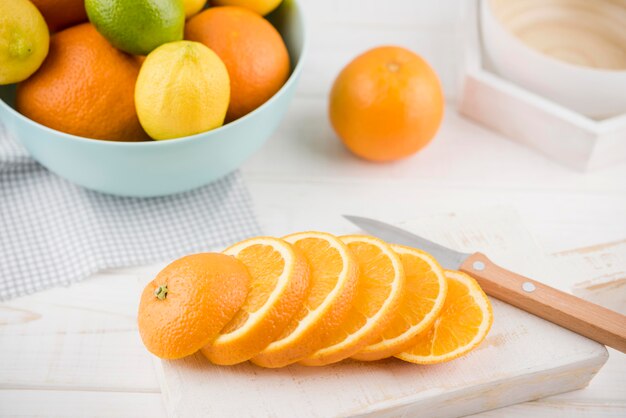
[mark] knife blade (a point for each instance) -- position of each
(447, 257)
(585, 318)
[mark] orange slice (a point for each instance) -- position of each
(463, 323)
(278, 286)
(380, 288)
(426, 289)
(332, 282)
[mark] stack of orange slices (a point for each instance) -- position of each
(315, 299)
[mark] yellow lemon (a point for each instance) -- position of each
(192, 7)
(183, 89)
(262, 7)
(24, 40)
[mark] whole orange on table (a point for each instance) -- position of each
(84, 87)
(252, 50)
(315, 299)
(386, 104)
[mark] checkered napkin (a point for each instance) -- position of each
(53, 232)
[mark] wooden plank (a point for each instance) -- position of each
(607, 387)
(83, 337)
(508, 368)
(551, 408)
(555, 229)
(598, 273)
(69, 404)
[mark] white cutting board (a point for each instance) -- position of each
(523, 357)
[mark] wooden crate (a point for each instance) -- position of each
(568, 137)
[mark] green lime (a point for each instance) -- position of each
(24, 40)
(137, 26)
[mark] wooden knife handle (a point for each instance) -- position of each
(585, 318)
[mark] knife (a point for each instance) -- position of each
(585, 318)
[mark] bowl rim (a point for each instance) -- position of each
(184, 139)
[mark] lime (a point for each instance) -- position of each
(183, 89)
(137, 26)
(24, 40)
(193, 6)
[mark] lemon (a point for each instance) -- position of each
(24, 40)
(262, 7)
(193, 6)
(137, 26)
(183, 89)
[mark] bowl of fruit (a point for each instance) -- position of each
(148, 98)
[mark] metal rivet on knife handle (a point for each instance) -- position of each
(478, 265)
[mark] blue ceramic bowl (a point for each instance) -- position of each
(158, 168)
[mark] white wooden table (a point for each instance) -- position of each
(83, 356)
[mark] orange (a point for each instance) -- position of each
(189, 302)
(379, 290)
(332, 282)
(461, 326)
(426, 289)
(386, 104)
(60, 14)
(279, 282)
(85, 87)
(252, 50)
